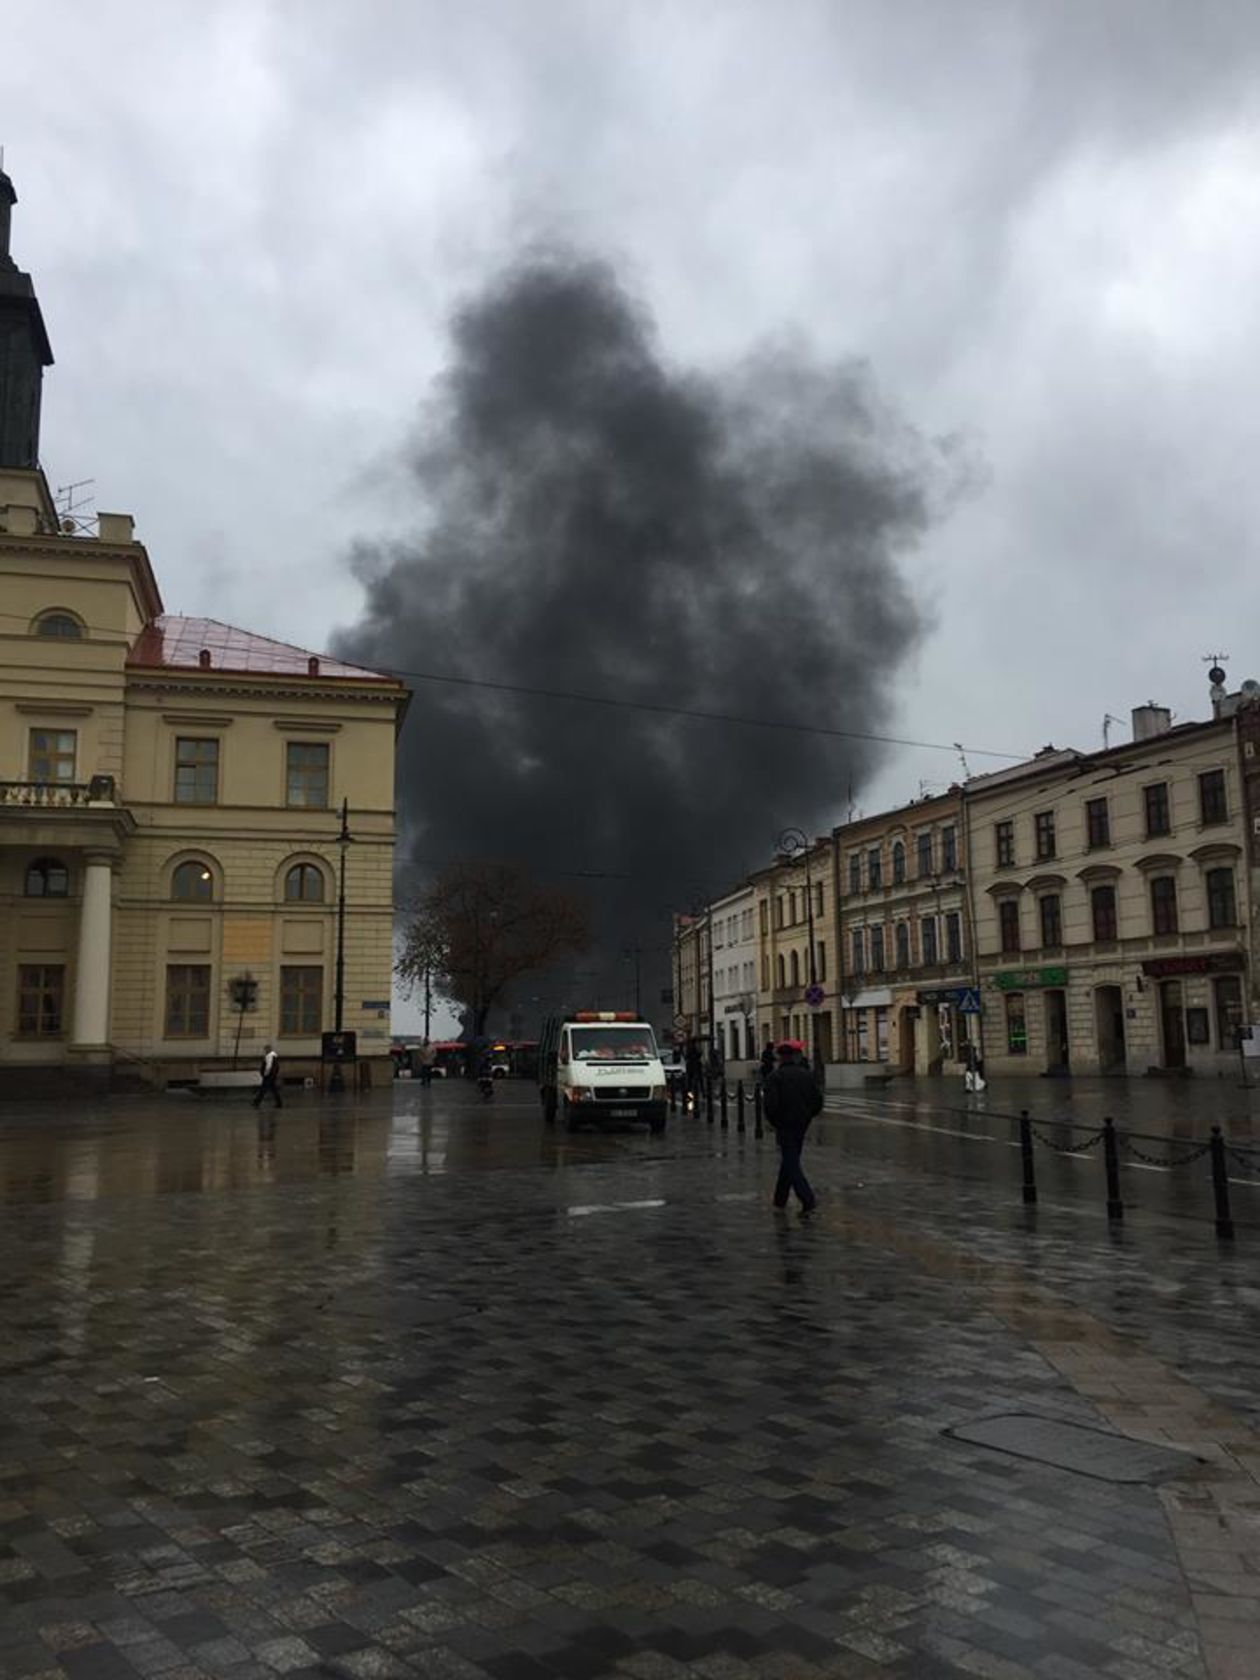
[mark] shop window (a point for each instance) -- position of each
(881, 1035)
(1222, 900)
(899, 863)
(1164, 904)
(196, 771)
(1043, 828)
(1051, 921)
(1004, 844)
(1212, 807)
(47, 878)
(41, 989)
(192, 880)
(1016, 1025)
(949, 850)
(187, 1000)
(1158, 818)
(1008, 925)
(864, 1035)
(52, 755)
(1102, 903)
(1097, 824)
(927, 938)
(953, 936)
(1227, 997)
(301, 1001)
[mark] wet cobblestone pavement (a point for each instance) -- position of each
(416, 1388)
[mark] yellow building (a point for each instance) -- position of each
(170, 794)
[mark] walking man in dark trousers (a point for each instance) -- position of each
(792, 1099)
(269, 1071)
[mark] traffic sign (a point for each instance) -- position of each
(680, 1021)
(680, 1037)
(815, 996)
(969, 1000)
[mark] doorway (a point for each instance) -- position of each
(1057, 1054)
(1174, 1024)
(1109, 1026)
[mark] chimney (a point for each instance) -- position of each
(1150, 720)
(203, 659)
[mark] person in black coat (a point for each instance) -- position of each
(791, 1101)
(767, 1062)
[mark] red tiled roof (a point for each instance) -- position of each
(173, 643)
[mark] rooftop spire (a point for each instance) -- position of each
(24, 349)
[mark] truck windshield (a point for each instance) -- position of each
(613, 1044)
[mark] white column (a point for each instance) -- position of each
(91, 985)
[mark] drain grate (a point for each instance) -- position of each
(1078, 1447)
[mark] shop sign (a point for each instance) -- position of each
(1028, 979)
(1209, 962)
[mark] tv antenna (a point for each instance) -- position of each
(962, 759)
(75, 513)
(1108, 719)
(1218, 662)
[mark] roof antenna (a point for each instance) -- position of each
(1108, 719)
(962, 759)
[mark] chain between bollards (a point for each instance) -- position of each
(1026, 1151)
(758, 1130)
(726, 1117)
(1220, 1186)
(1111, 1160)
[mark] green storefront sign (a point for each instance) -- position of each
(1028, 979)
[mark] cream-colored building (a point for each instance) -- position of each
(170, 794)
(1111, 900)
(796, 905)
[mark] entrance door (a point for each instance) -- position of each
(1109, 1025)
(1056, 1032)
(1174, 1023)
(822, 1035)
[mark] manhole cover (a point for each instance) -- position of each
(1075, 1446)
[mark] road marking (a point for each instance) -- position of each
(614, 1207)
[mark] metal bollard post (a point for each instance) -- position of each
(671, 1090)
(757, 1128)
(740, 1124)
(726, 1118)
(1026, 1150)
(1111, 1160)
(708, 1100)
(1220, 1186)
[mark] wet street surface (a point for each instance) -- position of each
(412, 1386)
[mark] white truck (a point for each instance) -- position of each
(600, 1065)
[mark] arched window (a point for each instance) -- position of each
(796, 969)
(192, 880)
(47, 878)
(58, 624)
(782, 971)
(903, 945)
(304, 884)
(899, 862)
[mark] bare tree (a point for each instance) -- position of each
(481, 927)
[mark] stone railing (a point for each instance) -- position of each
(57, 796)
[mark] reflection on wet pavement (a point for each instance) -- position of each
(415, 1386)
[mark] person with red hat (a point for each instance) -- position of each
(792, 1099)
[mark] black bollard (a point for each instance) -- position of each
(757, 1127)
(1220, 1187)
(740, 1125)
(1111, 1160)
(1026, 1150)
(726, 1117)
(671, 1091)
(708, 1099)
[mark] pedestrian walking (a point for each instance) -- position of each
(269, 1078)
(792, 1099)
(767, 1062)
(425, 1057)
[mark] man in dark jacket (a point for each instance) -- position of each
(792, 1099)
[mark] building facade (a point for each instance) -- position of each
(735, 959)
(1113, 904)
(170, 794)
(798, 991)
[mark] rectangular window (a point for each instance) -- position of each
(881, 1035)
(924, 844)
(1157, 817)
(187, 1001)
(820, 959)
(1222, 902)
(1004, 844)
(765, 918)
(40, 991)
(306, 774)
(859, 952)
(1164, 904)
(874, 869)
(819, 901)
(863, 1035)
(927, 940)
(953, 936)
(1212, 797)
(855, 873)
(778, 911)
(1016, 1026)
(1008, 922)
(1097, 824)
(949, 850)
(301, 1001)
(196, 771)
(765, 974)
(877, 949)
(1044, 826)
(1102, 903)
(1051, 920)
(52, 755)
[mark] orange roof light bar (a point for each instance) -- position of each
(605, 1015)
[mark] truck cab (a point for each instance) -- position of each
(598, 1066)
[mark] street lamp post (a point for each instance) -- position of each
(337, 1081)
(792, 844)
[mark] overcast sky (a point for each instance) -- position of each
(1037, 222)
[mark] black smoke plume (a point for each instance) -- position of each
(593, 519)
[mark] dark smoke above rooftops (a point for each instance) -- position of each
(590, 517)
